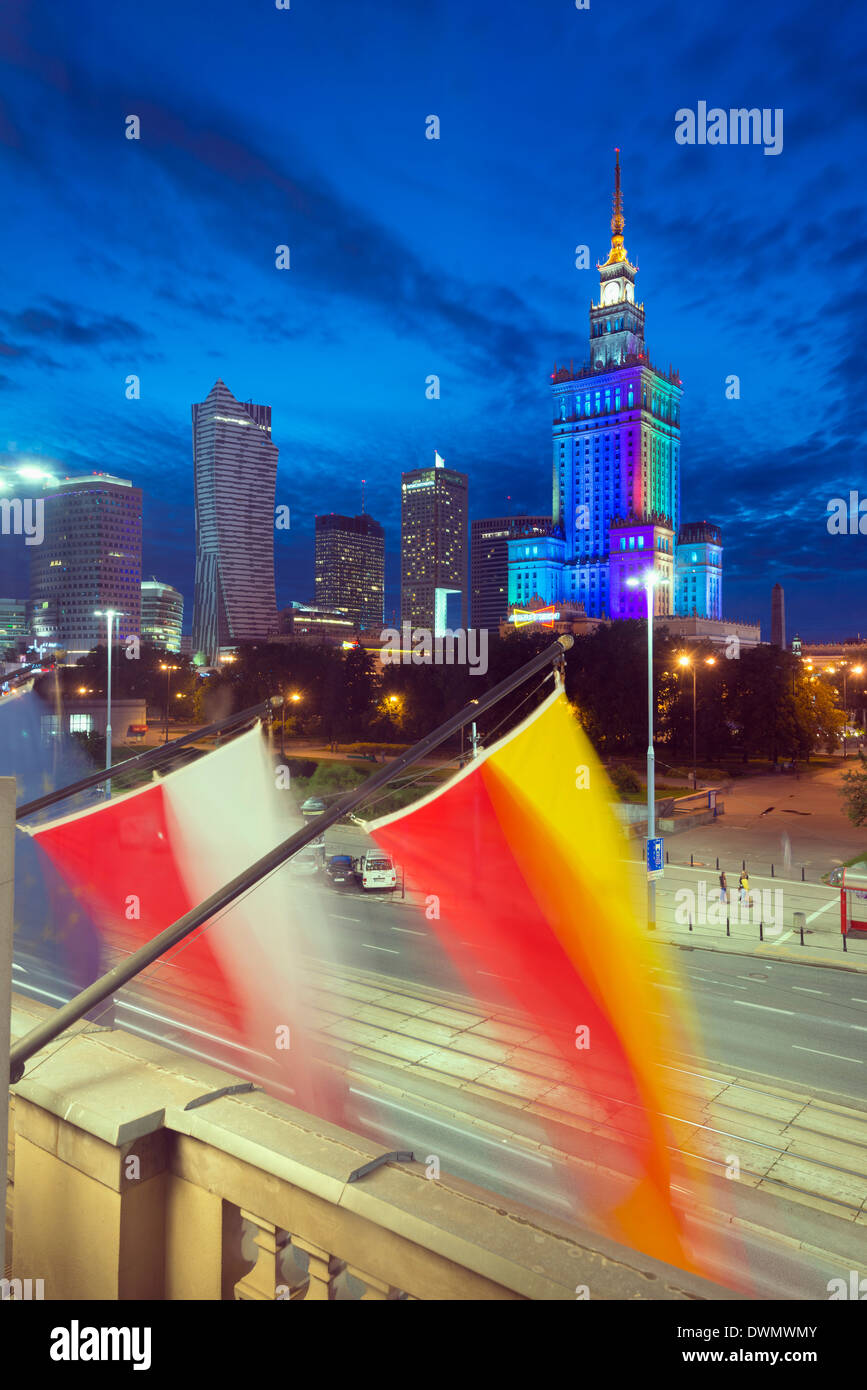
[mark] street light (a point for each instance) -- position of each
(688, 661)
(168, 670)
(649, 582)
(856, 671)
(109, 614)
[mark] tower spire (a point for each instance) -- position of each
(618, 221)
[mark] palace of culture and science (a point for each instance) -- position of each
(616, 494)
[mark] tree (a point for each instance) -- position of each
(854, 793)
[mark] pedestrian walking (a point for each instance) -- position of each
(744, 885)
(723, 888)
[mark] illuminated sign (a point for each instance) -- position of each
(546, 616)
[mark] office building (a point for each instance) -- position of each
(489, 564)
(235, 464)
(433, 580)
(89, 559)
(162, 614)
(350, 568)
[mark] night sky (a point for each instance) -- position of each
(410, 256)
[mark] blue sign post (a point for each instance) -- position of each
(655, 861)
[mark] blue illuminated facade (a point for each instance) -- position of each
(616, 448)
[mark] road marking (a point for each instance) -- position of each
(858, 1001)
(660, 985)
(409, 931)
(835, 1055)
(820, 910)
(493, 976)
(751, 980)
(381, 948)
(341, 918)
(745, 1004)
(802, 989)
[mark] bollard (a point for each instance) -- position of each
(690, 861)
(845, 947)
(761, 931)
(799, 921)
(772, 871)
(802, 873)
(728, 927)
(666, 857)
(690, 921)
(717, 863)
(743, 866)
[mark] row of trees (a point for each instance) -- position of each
(760, 704)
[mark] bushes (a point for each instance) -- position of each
(624, 779)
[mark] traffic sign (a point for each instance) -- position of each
(655, 859)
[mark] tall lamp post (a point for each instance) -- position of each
(649, 582)
(168, 670)
(109, 614)
(688, 661)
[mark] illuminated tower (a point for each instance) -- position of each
(235, 479)
(433, 571)
(616, 435)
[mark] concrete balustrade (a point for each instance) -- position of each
(121, 1193)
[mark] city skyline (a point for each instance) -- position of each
(177, 290)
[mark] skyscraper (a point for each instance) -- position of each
(616, 475)
(778, 617)
(90, 559)
(350, 568)
(489, 564)
(162, 614)
(235, 466)
(433, 580)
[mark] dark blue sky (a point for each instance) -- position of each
(454, 257)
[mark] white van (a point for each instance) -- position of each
(376, 870)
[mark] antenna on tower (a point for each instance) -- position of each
(362, 497)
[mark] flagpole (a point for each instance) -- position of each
(121, 974)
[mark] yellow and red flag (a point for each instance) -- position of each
(523, 865)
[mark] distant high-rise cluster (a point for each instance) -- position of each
(350, 568)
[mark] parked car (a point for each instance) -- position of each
(307, 862)
(339, 869)
(376, 870)
(312, 807)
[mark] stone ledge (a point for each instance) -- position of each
(118, 1088)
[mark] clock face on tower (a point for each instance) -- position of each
(611, 293)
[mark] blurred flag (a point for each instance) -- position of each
(142, 860)
(520, 860)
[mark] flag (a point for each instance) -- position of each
(143, 860)
(520, 861)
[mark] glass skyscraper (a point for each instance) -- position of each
(235, 466)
